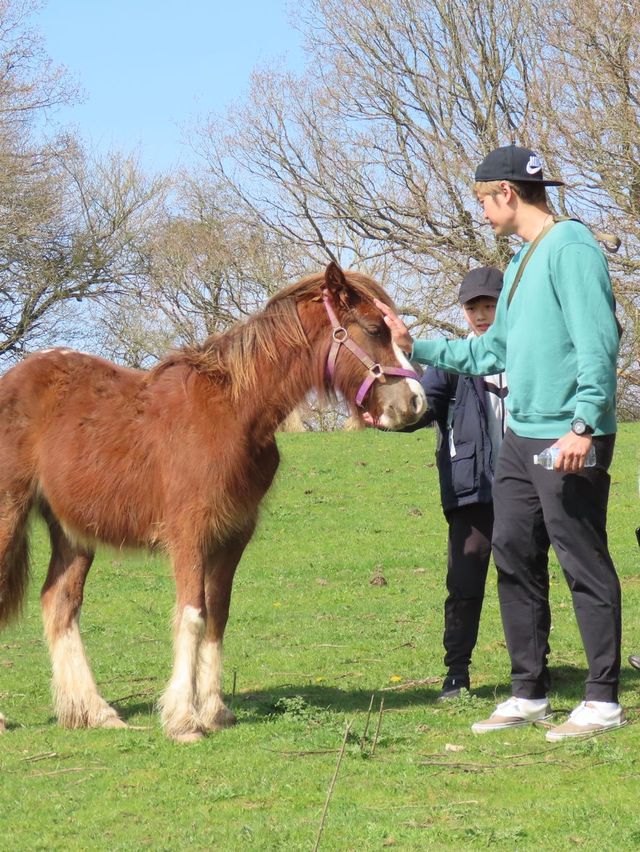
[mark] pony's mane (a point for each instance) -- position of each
(234, 356)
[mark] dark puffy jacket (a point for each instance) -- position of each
(468, 476)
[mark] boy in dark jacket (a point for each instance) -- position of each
(470, 415)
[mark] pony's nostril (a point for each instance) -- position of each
(416, 401)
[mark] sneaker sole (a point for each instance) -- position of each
(553, 737)
(479, 728)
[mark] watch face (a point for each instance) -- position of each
(579, 427)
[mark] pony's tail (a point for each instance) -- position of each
(14, 561)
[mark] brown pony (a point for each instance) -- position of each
(176, 458)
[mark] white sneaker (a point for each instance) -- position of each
(513, 713)
(589, 717)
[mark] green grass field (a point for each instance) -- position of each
(311, 639)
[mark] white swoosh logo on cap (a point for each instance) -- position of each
(533, 170)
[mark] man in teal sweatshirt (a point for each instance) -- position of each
(556, 337)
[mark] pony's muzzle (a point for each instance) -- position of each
(403, 403)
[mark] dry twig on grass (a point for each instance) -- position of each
(375, 739)
(331, 786)
(366, 724)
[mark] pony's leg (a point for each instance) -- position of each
(178, 712)
(76, 699)
(221, 568)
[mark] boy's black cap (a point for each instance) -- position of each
(484, 281)
(513, 163)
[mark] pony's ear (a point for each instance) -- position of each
(334, 280)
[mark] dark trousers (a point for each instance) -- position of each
(534, 508)
(469, 552)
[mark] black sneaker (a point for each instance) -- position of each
(452, 686)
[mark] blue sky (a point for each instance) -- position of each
(150, 67)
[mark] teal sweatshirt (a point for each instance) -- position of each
(557, 340)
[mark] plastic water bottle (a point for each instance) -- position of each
(547, 458)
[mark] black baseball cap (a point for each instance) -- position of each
(484, 281)
(510, 162)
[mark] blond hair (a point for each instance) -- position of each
(487, 187)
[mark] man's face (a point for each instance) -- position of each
(480, 313)
(498, 212)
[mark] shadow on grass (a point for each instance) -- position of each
(256, 706)
(567, 687)
(142, 708)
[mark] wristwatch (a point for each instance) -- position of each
(579, 427)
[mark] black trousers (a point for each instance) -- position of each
(534, 508)
(469, 552)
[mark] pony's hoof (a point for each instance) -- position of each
(3, 725)
(191, 737)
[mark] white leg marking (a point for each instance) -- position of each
(75, 695)
(209, 669)
(179, 715)
(211, 708)
(3, 726)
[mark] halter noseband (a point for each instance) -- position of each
(340, 337)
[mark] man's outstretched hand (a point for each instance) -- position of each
(399, 332)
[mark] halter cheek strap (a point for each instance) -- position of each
(340, 337)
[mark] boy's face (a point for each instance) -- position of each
(480, 313)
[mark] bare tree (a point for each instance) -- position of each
(370, 156)
(70, 225)
(591, 91)
(209, 263)
(368, 159)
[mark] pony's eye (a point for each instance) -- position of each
(372, 330)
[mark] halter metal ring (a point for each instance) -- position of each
(377, 371)
(340, 334)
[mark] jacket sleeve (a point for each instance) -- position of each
(440, 388)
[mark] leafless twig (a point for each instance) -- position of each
(366, 724)
(331, 786)
(375, 739)
(46, 755)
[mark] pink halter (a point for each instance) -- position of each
(341, 337)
